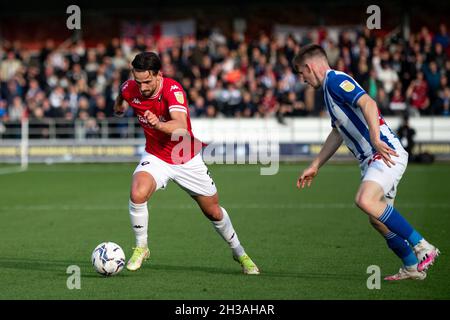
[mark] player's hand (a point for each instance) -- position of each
(385, 152)
(307, 177)
(119, 109)
(119, 112)
(152, 119)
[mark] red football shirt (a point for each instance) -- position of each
(169, 97)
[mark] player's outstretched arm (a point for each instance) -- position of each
(370, 111)
(119, 108)
(332, 143)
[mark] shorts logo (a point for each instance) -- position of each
(347, 86)
(375, 157)
(179, 96)
(145, 163)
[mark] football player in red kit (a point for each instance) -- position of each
(171, 153)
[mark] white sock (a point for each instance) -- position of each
(139, 222)
(226, 230)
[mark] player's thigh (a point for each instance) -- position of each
(387, 177)
(150, 175)
(194, 177)
(369, 191)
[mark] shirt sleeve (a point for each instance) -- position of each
(346, 89)
(125, 90)
(176, 100)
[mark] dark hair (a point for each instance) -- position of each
(306, 52)
(147, 61)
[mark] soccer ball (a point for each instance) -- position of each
(108, 258)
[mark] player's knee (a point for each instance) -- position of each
(138, 196)
(363, 201)
(213, 212)
(139, 193)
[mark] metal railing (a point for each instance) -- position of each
(53, 129)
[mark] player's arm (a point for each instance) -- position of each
(370, 111)
(177, 124)
(332, 143)
(119, 107)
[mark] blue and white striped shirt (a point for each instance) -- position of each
(341, 93)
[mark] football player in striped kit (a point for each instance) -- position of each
(356, 121)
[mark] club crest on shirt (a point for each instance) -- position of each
(179, 96)
(347, 86)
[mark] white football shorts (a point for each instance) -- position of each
(192, 176)
(374, 169)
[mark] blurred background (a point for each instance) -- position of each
(234, 62)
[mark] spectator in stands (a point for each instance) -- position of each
(406, 135)
(432, 77)
(443, 98)
(383, 102)
(372, 84)
(16, 109)
(397, 104)
(228, 76)
(3, 110)
(9, 67)
(386, 75)
(442, 37)
(417, 94)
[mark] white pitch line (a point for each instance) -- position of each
(11, 170)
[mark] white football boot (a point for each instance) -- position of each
(407, 273)
(426, 254)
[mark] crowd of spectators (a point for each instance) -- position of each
(227, 76)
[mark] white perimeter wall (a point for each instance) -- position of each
(315, 130)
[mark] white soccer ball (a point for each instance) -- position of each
(108, 258)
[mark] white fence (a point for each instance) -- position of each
(306, 130)
(122, 140)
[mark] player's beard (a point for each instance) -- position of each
(147, 93)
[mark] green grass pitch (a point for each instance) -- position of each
(310, 244)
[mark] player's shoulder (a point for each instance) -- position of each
(339, 80)
(171, 85)
(334, 76)
(129, 88)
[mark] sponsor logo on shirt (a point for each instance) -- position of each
(174, 87)
(136, 101)
(179, 96)
(347, 86)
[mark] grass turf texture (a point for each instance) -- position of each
(310, 244)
